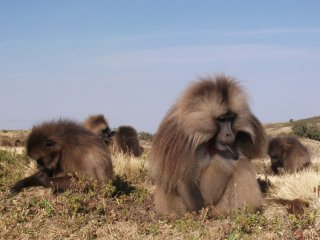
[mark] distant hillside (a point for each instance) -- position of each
(309, 120)
(274, 129)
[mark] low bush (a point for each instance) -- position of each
(307, 130)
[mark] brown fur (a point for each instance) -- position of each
(189, 173)
(289, 154)
(99, 125)
(126, 140)
(19, 143)
(231, 192)
(62, 148)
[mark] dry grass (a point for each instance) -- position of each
(297, 185)
(131, 167)
(18, 150)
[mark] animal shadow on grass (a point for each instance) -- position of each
(264, 184)
(123, 187)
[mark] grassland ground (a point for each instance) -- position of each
(105, 212)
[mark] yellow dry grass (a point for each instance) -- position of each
(129, 165)
(303, 185)
(18, 150)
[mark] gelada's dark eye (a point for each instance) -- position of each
(49, 144)
(227, 117)
(106, 131)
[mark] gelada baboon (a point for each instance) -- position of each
(99, 125)
(289, 154)
(5, 141)
(18, 143)
(61, 148)
(126, 140)
(11, 142)
(201, 151)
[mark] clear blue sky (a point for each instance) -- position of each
(130, 60)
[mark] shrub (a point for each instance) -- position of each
(306, 130)
(145, 136)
